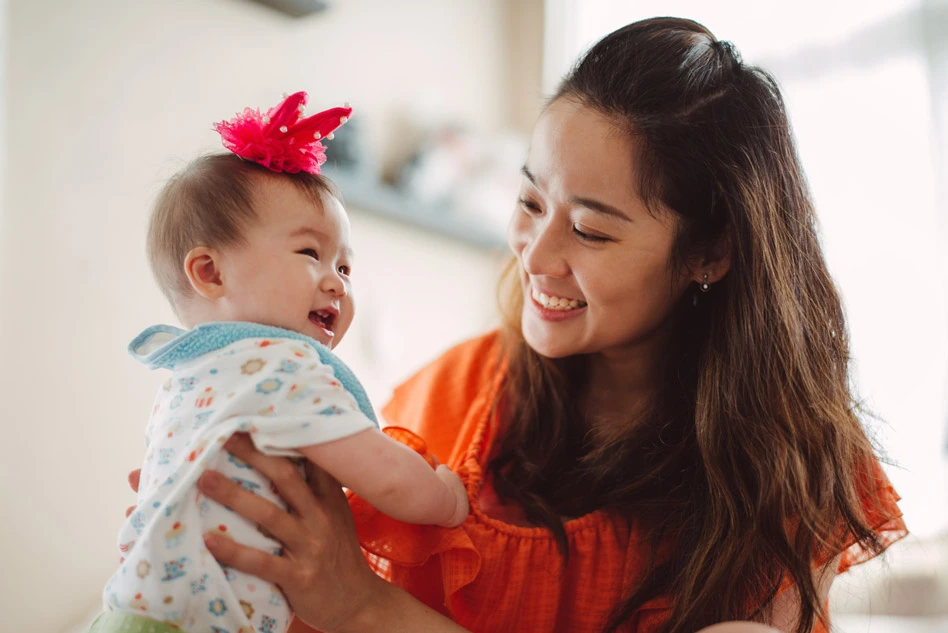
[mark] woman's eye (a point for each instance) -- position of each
(529, 206)
(587, 236)
(344, 270)
(309, 253)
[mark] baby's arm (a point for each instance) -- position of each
(393, 478)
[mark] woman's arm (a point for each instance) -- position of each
(784, 611)
(393, 478)
(322, 572)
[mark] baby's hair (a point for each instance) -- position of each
(210, 203)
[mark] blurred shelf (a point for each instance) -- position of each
(384, 200)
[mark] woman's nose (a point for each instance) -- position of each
(542, 252)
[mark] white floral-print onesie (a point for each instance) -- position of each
(284, 389)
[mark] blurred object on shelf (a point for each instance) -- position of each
(296, 8)
(346, 152)
(457, 183)
(467, 172)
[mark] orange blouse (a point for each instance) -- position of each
(491, 576)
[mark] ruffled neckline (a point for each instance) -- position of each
(391, 545)
(471, 470)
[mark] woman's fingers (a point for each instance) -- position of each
(262, 512)
(275, 569)
(279, 470)
(133, 479)
(323, 485)
(322, 571)
(129, 510)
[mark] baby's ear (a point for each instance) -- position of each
(202, 265)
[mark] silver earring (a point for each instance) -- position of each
(705, 286)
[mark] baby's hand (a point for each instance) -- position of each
(456, 486)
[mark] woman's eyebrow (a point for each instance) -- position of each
(589, 203)
(600, 207)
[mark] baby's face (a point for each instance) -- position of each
(293, 271)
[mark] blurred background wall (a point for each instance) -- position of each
(101, 101)
(104, 100)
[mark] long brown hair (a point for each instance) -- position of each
(749, 460)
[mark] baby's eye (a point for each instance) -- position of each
(344, 270)
(309, 253)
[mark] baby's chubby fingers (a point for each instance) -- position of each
(454, 483)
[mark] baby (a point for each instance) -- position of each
(252, 250)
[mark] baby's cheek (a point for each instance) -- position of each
(347, 314)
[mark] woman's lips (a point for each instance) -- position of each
(558, 313)
(554, 302)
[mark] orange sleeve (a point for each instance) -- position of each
(882, 512)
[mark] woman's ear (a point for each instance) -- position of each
(202, 265)
(716, 261)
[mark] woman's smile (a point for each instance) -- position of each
(554, 308)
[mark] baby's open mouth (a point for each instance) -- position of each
(323, 318)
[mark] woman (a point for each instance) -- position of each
(662, 436)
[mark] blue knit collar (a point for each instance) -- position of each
(166, 346)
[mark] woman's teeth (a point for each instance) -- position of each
(556, 303)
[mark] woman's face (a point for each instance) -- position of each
(595, 265)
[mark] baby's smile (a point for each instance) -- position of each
(324, 319)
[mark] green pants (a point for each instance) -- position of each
(121, 622)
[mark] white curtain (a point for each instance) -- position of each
(867, 89)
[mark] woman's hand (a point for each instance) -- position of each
(322, 572)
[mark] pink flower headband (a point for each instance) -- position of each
(281, 140)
